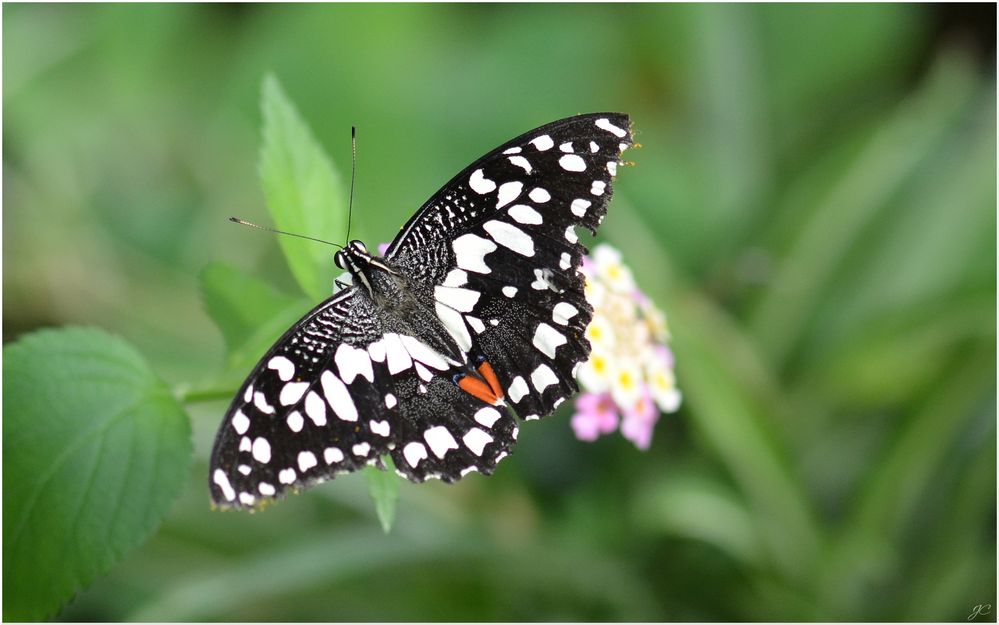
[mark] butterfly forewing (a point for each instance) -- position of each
(491, 261)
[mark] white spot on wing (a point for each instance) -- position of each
(612, 168)
(470, 251)
(220, 478)
(246, 499)
(361, 449)
(306, 460)
(266, 489)
(487, 416)
(563, 312)
(508, 192)
(397, 354)
(245, 444)
(480, 184)
(287, 476)
(284, 367)
(511, 151)
(315, 408)
(423, 372)
(579, 207)
(604, 124)
(337, 397)
(518, 389)
(261, 450)
(598, 186)
(462, 300)
(476, 440)
(353, 362)
(539, 195)
(547, 339)
(524, 214)
(380, 428)
(261, 403)
(244, 469)
(422, 352)
(510, 236)
(332, 454)
(566, 147)
(570, 235)
(543, 377)
(542, 143)
(440, 440)
(565, 261)
(509, 291)
(414, 452)
(476, 324)
(594, 147)
(295, 421)
(455, 325)
(377, 350)
(240, 422)
(456, 277)
(292, 392)
(521, 162)
(572, 162)
(390, 400)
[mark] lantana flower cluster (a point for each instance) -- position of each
(629, 377)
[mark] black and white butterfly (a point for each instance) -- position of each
(475, 312)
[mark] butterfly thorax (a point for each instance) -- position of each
(402, 302)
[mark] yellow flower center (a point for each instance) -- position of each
(626, 380)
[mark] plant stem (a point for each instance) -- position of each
(197, 396)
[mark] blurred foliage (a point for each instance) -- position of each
(814, 207)
(95, 449)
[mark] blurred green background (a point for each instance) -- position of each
(814, 206)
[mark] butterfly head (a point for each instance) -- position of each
(353, 257)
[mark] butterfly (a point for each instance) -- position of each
(474, 314)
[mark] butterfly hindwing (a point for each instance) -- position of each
(487, 313)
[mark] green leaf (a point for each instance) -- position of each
(250, 313)
(384, 488)
(303, 190)
(95, 448)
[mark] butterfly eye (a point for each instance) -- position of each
(359, 246)
(338, 260)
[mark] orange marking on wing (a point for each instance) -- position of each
(478, 389)
(486, 371)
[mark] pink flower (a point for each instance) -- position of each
(597, 415)
(639, 420)
(664, 355)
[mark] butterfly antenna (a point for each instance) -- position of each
(353, 174)
(243, 222)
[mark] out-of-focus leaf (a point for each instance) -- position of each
(823, 58)
(866, 550)
(935, 245)
(836, 220)
(249, 312)
(303, 190)
(697, 508)
(383, 486)
(346, 553)
(95, 448)
(911, 345)
(958, 564)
